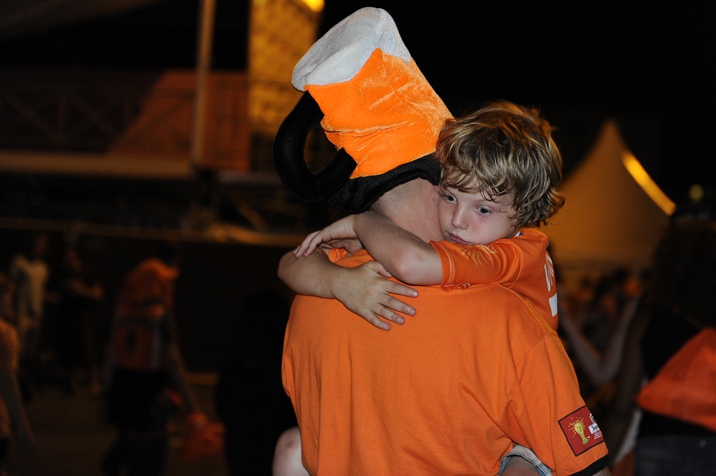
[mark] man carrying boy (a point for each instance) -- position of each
(500, 171)
(475, 372)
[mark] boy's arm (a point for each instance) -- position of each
(363, 290)
(403, 254)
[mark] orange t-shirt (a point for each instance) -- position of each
(448, 392)
(520, 263)
(141, 330)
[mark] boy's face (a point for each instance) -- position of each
(472, 218)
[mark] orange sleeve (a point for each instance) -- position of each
(463, 265)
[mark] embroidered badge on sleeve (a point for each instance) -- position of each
(581, 430)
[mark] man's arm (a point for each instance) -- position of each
(363, 290)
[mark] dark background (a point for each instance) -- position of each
(214, 283)
(648, 67)
(581, 63)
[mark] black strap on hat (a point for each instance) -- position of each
(289, 158)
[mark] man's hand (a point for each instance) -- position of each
(366, 291)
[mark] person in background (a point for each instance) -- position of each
(665, 397)
(601, 317)
(79, 292)
(601, 365)
(12, 410)
(30, 273)
(143, 365)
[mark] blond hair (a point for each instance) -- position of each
(506, 148)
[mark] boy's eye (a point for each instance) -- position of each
(484, 210)
(447, 197)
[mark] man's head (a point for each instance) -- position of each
(374, 105)
(503, 153)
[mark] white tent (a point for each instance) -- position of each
(608, 220)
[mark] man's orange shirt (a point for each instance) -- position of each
(448, 392)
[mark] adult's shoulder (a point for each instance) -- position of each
(493, 307)
(491, 319)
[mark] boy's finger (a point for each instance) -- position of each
(400, 306)
(397, 288)
(391, 316)
(377, 322)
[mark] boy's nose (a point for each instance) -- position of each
(458, 219)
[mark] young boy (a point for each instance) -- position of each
(500, 171)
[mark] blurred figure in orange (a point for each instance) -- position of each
(30, 273)
(12, 411)
(143, 365)
(666, 385)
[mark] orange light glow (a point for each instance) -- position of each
(315, 5)
(639, 174)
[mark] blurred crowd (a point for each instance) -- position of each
(643, 344)
(640, 340)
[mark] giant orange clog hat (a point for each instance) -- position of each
(374, 105)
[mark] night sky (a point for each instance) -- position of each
(649, 69)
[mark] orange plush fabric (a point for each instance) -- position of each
(685, 386)
(377, 109)
(387, 115)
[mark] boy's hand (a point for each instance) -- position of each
(339, 234)
(365, 291)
